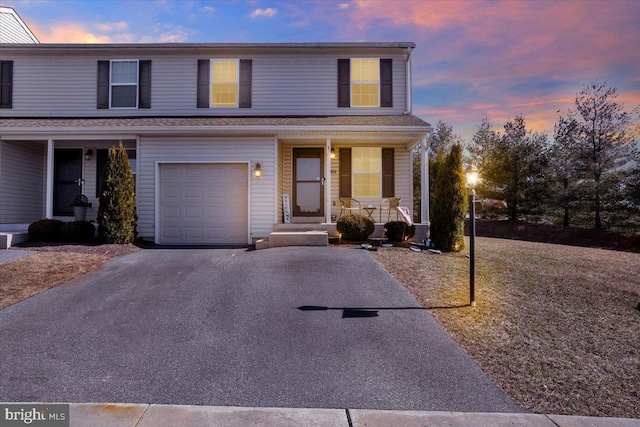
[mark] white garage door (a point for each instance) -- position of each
(203, 204)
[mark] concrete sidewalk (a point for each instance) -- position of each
(143, 415)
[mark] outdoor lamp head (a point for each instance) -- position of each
(472, 175)
(258, 170)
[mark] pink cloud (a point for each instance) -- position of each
(68, 32)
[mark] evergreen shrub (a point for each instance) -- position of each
(78, 232)
(397, 229)
(449, 203)
(45, 230)
(355, 227)
(117, 210)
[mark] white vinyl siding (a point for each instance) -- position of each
(22, 181)
(65, 86)
(12, 30)
(152, 150)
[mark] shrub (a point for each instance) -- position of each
(78, 232)
(117, 209)
(45, 230)
(355, 227)
(396, 230)
(449, 203)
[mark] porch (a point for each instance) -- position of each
(319, 180)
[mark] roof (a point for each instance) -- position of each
(13, 30)
(264, 124)
(212, 47)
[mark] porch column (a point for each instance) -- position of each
(327, 180)
(424, 174)
(49, 178)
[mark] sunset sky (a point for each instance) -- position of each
(473, 58)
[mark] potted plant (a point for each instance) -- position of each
(80, 205)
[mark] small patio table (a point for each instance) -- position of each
(370, 210)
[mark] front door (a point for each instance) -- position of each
(308, 182)
(67, 176)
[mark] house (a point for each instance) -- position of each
(217, 134)
(13, 29)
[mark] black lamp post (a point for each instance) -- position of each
(472, 179)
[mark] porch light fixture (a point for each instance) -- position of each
(472, 180)
(257, 170)
(88, 154)
(333, 154)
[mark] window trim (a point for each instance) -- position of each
(237, 61)
(354, 173)
(136, 84)
(352, 84)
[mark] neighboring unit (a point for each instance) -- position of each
(217, 134)
(13, 29)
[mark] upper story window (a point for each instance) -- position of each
(124, 83)
(224, 83)
(365, 82)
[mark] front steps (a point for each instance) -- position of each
(12, 234)
(298, 235)
(298, 238)
(9, 238)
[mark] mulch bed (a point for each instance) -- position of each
(557, 234)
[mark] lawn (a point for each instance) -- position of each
(557, 327)
(51, 265)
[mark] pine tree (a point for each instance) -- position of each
(117, 210)
(450, 203)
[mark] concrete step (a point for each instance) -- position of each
(298, 238)
(10, 238)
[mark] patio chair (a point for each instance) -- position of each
(390, 204)
(348, 205)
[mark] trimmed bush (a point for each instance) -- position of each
(117, 209)
(78, 232)
(397, 229)
(45, 230)
(449, 203)
(355, 227)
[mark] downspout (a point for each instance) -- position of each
(409, 107)
(49, 182)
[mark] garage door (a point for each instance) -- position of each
(203, 204)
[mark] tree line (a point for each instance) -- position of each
(586, 174)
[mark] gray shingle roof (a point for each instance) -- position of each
(132, 123)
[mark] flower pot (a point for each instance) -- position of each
(80, 213)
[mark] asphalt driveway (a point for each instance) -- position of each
(225, 327)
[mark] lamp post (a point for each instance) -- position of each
(472, 179)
